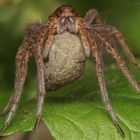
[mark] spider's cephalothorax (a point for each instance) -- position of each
(66, 18)
(92, 37)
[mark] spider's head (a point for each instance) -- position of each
(66, 19)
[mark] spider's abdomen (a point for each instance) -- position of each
(66, 61)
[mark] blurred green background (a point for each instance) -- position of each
(16, 14)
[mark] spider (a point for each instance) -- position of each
(93, 38)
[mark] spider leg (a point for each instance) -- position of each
(21, 71)
(92, 15)
(40, 72)
(113, 51)
(42, 91)
(127, 51)
(100, 74)
(31, 28)
(41, 80)
(113, 31)
(24, 52)
(7, 107)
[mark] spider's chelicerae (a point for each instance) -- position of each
(93, 38)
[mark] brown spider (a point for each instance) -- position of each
(93, 38)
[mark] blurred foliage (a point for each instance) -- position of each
(16, 14)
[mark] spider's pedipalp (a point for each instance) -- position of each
(84, 37)
(114, 32)
(85, 42)
(48, 42)
(100, 75)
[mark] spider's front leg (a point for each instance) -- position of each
(27, 42)
(41, 82)
(100, 75)
(24, 52)
(40, 55)
(21, 71)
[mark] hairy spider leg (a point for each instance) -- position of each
(24, 52)
(41, 81)
(31, 28)
(21, 72)
(101, 79)
(113, 51)
(37, 50)
(107, 29)
(92, 15)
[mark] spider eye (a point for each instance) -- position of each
(66, 20)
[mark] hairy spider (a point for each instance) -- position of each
(93, 38)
